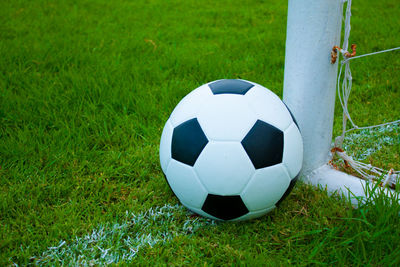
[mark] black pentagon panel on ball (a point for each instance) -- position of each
(188, 140)
(230, 86)
(264, 145)
(225, 207)
(288, 190)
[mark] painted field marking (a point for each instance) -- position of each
(111, 243)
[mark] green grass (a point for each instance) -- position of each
(86, 87)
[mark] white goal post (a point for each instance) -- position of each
(313, 29)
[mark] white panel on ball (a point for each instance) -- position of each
(185, 184)
(226, 117)
(266, 187)
(293, 150)
(165, 146)
(188, 107)
(224, 168)
(268, 107)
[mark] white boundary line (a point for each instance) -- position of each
(121, 241)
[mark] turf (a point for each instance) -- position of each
(86, 86)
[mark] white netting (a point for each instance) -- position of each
(366, 171)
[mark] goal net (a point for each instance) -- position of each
(344, 85)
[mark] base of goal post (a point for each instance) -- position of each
(334, 181)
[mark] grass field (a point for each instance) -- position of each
(85, 90)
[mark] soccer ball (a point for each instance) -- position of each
(231, 150)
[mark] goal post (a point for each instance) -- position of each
(313, 28)
(310, 80)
